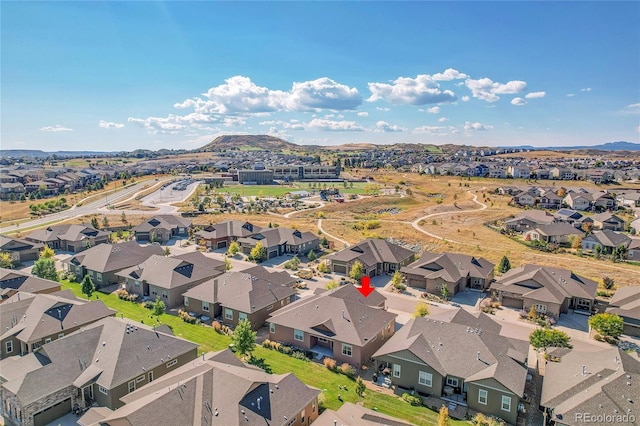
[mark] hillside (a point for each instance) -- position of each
(249, 142)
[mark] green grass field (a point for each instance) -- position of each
(310, 373)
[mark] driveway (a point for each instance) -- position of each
(574, 321)
(468, 298)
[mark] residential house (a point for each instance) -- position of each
(585, 385)
(216, 389)
(598, 175)
(525, 199)
(103, 261)
(73, 238)
(569, 216)
(251, 295)
(626, 303)
(98, 364)
(162, 228)
(551, 290)
(562, 173)
(629, 199)
(280, 241)
(45, 188)
(497, 172)
(528, 220)
(30, 320)
(635, 225)
(459, 361)
(376, 255)
(19, 249)
(557, 233)
(167, 278)
(11, 191)
(550, 200)
(12, 281)
(602, 201)
(354, 414)
(607, 240)
(519, 172)
(608, 221)
(458, 272)
(578, 201)
(223, 234)
(336, 324)
(541, 174)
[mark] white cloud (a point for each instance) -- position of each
(429, 129)
(383, 126)
(518, 101)
(638, 129)
(535, 95)
(323, 93)
(383, 109)
(633, 106)
(160, 125)
(442, 119)
(434, 110)
(449, 74)
(56, 128)
(586, 89)
(336, 126)
(422, 90)
(289, 125)
(465, 98)
(488, 90)
(468, 126)
(110, 125)
(571, 95)
(363, 114)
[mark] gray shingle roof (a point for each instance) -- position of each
(114, 257)
(21, 281)
(450, 266)
(229, 228)
(65, 232)
(167, 221)
(626, 302)
(372, 251)
(350, 414)
(278, 236)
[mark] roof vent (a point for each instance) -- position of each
(104, 343)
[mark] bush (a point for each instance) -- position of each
(348, 370)
(330, 363)
(216, 325)
(184, 316)
(148, 304)
(300, 355)
(413, 400)
(323, 268)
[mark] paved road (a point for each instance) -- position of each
(86, 208)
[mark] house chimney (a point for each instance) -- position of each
(478, 355)
(584, 370)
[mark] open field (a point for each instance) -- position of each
(310, 373)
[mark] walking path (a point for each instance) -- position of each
(346, 243)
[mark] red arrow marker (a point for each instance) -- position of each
(366, 288)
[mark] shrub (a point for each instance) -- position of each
(323, 268)
(299, 355)
(184, 316)
(148, 304)
(216, 326)
(330, 363)
(348, 370)
(412, 400)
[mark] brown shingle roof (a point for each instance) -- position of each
(373, 251)
(114, 257)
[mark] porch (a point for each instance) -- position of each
(456, 410)
(320, 352)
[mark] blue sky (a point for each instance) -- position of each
(126, 75)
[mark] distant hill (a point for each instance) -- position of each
(609, 146)
(36, 153)
(249, 142)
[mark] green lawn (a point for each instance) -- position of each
(310, 373)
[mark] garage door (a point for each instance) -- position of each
(222, 244)
(52, 413)
(273, 254)
(415, 282)
(372, 273)
(511, 302)
(339, 269)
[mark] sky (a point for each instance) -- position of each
(114, 76)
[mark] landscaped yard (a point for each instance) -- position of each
(311, 373)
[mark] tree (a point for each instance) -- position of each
(608, 283)
(443, 416)
(6, 261)
(45, 268)
(360, 387)
(543, 338)
(422, 310)
(445, 292)
(576, 242)
(331, 285)
(227, 264)
(244, 339)
(258, 253)
(123, 217)
(311, 256)
(167, 251)
(357, 270)
(597, 251)
(607, 324)
(396, 279)
(587, 227)
(47, 252)
(87, 286)
(619, 253)
(94, 222)
(504, 265)
(159, 307)
(234, 248)
(532, 313)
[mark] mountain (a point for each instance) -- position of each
(609, 146)
(249, 142)
(36, 153)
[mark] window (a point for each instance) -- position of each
(228, 314)
(272, 327)
(172, 363)
(8, 347)
(506, 403)
(242, 316)
(90, 273)
(541, 308)
(98, 277)
(298, 335)
(269, 308)
(47, 340)
(205, 306)
(165, 294)
(132, 386)
(186, 303)
(292, 421)
(313, 406)
(136, 283)
(425, 379)
(452, 382)
(482, 396)
(150, 376)
(302, 416)
(397, 369)
(103, 390)
(347, 350)
(140, 379)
